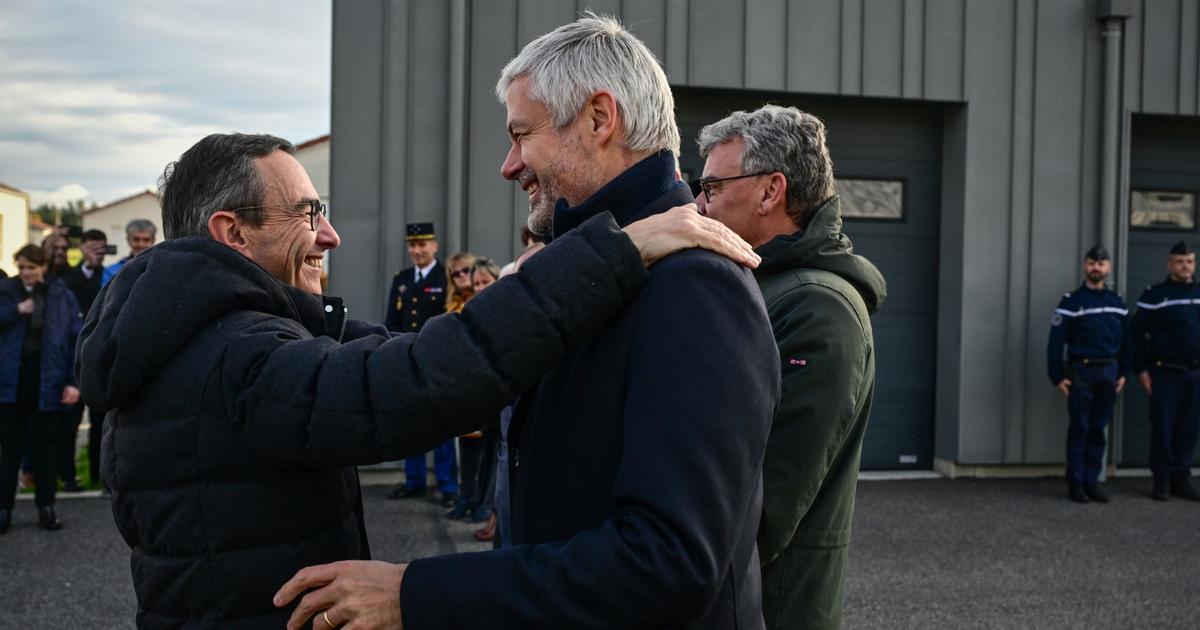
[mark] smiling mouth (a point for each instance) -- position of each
(315, 261)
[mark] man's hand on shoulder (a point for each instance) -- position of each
(682, 227)
(358, 594)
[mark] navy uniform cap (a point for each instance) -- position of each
(1097, 252)
(1181, 249)
(419, 232)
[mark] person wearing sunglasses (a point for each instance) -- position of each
(240, 399)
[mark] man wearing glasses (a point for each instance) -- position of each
(240, 399)
(417, 294)
(769, 177)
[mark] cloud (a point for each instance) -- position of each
(57, 197)
(104, 95)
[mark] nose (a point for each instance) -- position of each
(702, 204)
(513, 164)
(327, 237)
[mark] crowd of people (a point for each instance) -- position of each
(41, 315)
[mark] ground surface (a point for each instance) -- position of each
(926, 554)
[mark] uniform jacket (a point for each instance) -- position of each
(236, 415)
(635, 465)
(411, 303)
(1166, 325)
(819, 297)
(1092, 324)
(60, 329)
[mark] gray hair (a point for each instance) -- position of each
(141, 225)
(217, 173)
(784, 140)
(574, 61)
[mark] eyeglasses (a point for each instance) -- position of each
(705, 185)
(315, 207)
(465, 271)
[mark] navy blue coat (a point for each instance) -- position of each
(410, 303)
(59, 332)
(636, 464)
(1166, 326)
(1091, 324)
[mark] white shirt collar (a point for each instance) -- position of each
(423, 272)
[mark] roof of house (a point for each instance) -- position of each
(312, 143)
(121, 200)
(36, 223)
(11, 189)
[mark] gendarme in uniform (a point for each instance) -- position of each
(415, 297)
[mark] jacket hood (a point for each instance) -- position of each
(824, 246)
(163, 298)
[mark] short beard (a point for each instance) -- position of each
(1096, 277)
(559, 180)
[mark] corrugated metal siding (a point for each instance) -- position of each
(1028, 71)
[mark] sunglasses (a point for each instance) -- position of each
(465, 271)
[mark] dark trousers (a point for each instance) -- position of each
(1174, 420)
(444, 469)
(1090, 406)
(487, 467)
(16, 420)
(470, 456)
(71, 417)
(95, 437)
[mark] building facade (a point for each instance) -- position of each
(14, 225)
(982, 146)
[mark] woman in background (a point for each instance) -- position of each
(483, 274)
(458, 270)
(39, 323)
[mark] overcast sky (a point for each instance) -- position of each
(97, 97)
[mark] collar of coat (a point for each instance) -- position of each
(628, 197)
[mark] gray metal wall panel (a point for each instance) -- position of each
(396, 148)
(491, 203)
(648, 20)
(766, 51)
(1055, 244)
(883, 48)
(950, 414)
(1132, 77)
(814, 46)
(851, 79)
(355, 157)
(944, 50)
(1021, 342)
(914, 49)
(1160, 58)
(717, 60)
(985, 234)
(600, 7)
(1189, 30)
(678, 35)
(427, 122)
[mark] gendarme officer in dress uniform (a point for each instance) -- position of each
(1088, 358)
(1166, 333)
(417, 294)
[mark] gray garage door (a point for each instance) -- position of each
(1164, 186)
(888, 155)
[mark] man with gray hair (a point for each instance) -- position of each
(769, 177)
(635, 464)
(139, 234)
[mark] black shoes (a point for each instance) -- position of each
(462, 508)
(72, 485)
(1075, 493)
(47, 520)
(1094, 493)
(1161, 489)
(5, 520)
(1182, 487)
(448, 499)
(404, 492)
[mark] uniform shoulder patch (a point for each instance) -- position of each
(1056, 320)
(1067, 294)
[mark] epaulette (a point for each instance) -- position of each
(1067, 294)
(1149, 286)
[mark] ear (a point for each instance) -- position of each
(774, 194)
(227, 229)
(602, 117)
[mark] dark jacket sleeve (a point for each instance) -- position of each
(1055, 345)
(391, 317)
(313, 401)
(826, 353)
(1125, 358)
(701, 388)
(74, 326)
(1137, 335)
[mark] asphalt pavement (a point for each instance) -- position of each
(925, 554)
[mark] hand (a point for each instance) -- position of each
(25, 307)
(70, 395)
(682, 227)
(1144, 379)
(93, 253)
(1120, 384)
(354, 594)
(1064, 386)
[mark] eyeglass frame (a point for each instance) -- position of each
(465, 271)
(703, 184)
(315, 207)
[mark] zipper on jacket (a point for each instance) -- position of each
(345, 316)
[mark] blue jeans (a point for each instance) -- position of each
(445, 469)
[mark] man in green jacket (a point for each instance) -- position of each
(768, 176)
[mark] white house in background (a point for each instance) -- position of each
(112, 217)
(14, 225)
(313, 155)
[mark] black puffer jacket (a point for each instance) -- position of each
(236, 417)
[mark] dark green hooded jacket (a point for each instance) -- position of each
(819, 297)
